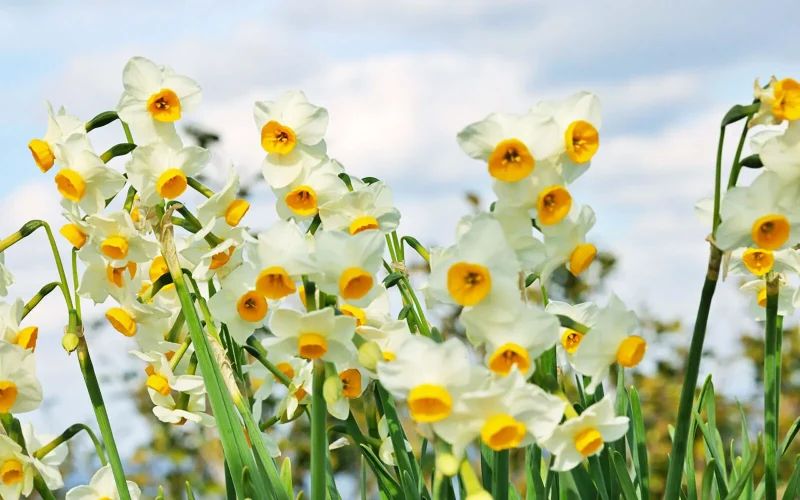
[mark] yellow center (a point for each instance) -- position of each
(502, 432)
(274, 283)
(8, 395)
(74, 235)
(363, 224)
(351, 383)
(508, 355)
(581, 258)
(302, 200)
(159, 383)
(27, 337)
(114, 274)
(354, 312)
(571, 339)
(312, 345)
(235, 212)
(762, 297)
(136, 214)
(786, 105)
(389, 356)
(355, 283)
(220, 259)
(631, 351)
(42, 154)
(588, 441)
(252, 306)
(553, 205)
(121, 321)
(468, 283)
(115, 247)
(582, 141)
(510, 161)
(429, 403)
(11, 472)
(286, 369)
(164, 106)
(158, 268)
(770, 232)
(171, 184)
(277, 138)
(757, 261)
(70, 184)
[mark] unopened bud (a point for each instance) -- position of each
(332, 390)
(447, 464)
(70, 342)
(369, 354)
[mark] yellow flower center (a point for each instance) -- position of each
(631, 351)
(171, 184)
(354, 312)
(256, 383)
(235, 212)
(571, 339)
(121, 321)
(468, 283)
(159, 383)
(8, 395)
(363, 224)
(786, 105)
(277, 138)
(510, 161)
(757, 261)
(158, 268)
(351, 383)
(286, 369)
(508, 355)
(274, 283)
(27, 337)
(136, 214)
(11, 472)
(252, 306)
(762, 297)
(502, 432)
(70, 184)
(429, 403)
(770, 232)
(582, 141)
(553, 205)
(581, 258)
(588, 441)
(115, 247)
(42, 154)
(164, 106)
(221, 258)
(302, 200)
(355, 283)
(389, 356)
(312, 345)
(114, 274)
(74, 235)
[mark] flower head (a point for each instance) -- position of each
(83, 178)
(49, 465)
(347, 265)
(316, 335)
(779, 101)
(282, 252)
(238, 304)
(224, 204)
(20, 390)
(102, 487)
(59, 127)
(16, 470)
(368, 207)
(302, 198)
(160, 172)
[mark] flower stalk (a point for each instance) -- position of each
(771, 389)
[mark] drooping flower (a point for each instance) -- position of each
(102, 487)
(779, 101)
(160, 172)
(167, 410)
(347, 265)
(10, 329)
(282, 253)
(162, 379)
(20, 390)
(16, 470)
(316, 335)
(101, 279)
(238, 304)
(146, 323)
(83, 178)
(59, 127)
(364, 208)
(300, 389)
(585, 314)
(49, 465)
(76, 231)
(224, 203)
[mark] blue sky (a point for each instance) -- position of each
(400, 79)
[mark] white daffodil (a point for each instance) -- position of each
(505, 413)
(102, 487)
(302, 198)
(765, 214)
(169, 411)
(579, 120)
(370, 207)
(115, 237)
(59, 127)
(83, 178)
(375, 314)
(76, 231)
(518, 230)
(788, 298)
(20, 390)
(517, 341)
(430, 376)
(565, 243)
(224, 204)
(238, 304)
(160, 172)
(386, 451)
(6, 278)
(585, 435)
(16, 470)
(299, 390)
(348, 265)
(146, 323)
(316, 335)
(747, 261)
(479, 265)
(585, 314)
(350, 383)
(544, 193)
(101, 279)
(154, 99)
(282, 252)
(163, 380)
(10, 329)
(49, 465)
(292, 131)
(779, 101)
(208, 256)
(390, 337)
(512, 145)
(780, 153)
(611, 339)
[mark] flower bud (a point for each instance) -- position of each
(70, 342)
(369, 354)
(447, 464)
(332, 390)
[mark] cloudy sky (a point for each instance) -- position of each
(400, 79)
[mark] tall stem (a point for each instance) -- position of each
(500, 475)
(319, 441)
(771, 390)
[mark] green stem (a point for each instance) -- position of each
(500, 475)
(175, 331)
(771, 390)
(778, 365)
(199, 187)
(128, 206)
(43, 292)
(127, 130)
(422, 321)
(176, 358)
(257, 351)
(68, 434)
(717, 181)
(737, 166)
(75, 281)
(319, 442)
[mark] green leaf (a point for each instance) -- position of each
(530, 279)
(189, 492)
(396, 434)
(708, 480)
(117, 150)
(533, 473)
(386, 482)
(745, 475)
(583, 482)
(623, 477)
(720, 471)
(790, 435)
(101, 120)
(596, 470)
(739, 112)
(752, 161)
(346, 179)
(792, 487)
(640, 463)
(392, 279)
(370, 180)
(286, 476)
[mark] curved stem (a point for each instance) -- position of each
(43, 292)
(68, 434)
(737, 166)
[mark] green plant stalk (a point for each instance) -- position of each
(68, 434)
(199, 187)
(257, 351)
(422, 321)
(75, 283)
(778, 365)
(127, 130)
(733, 178)
(176, 358)
(319, 441)
(500, 475)
(771, 390)
(43, 292)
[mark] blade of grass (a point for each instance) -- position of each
(623, 477)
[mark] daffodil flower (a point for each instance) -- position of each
(10, 329)
(145, 323)
(115, 237)
(544, 193)
(163, 380)
(238, 304)
(565, 243)
(788, 298)
(102, 487)
(167, 410)
(518, 231)
(160, 172)
(76, 231)
(16, 470)
(780, 152)
(49, 465)
(206, 261)
(390, 337)
(302, 198)
(83, 178)
(375, 314)
(570, 340)
(363, 209)
(100, 279)
(778, 102)
(20, 390)
(347, 265)
(224, 203)
(757, 261)
(59, 127)
(283, 255)
(299, 390)
(351, 381)
(316, 335)
(261, 381)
